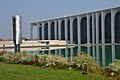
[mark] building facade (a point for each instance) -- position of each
(99, 27)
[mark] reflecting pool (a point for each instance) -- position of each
(104, 54)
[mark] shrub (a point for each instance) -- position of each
(83, 60)
(53, 61)
(2, 52)
(7, 58)
(23, 58)
(113, 67)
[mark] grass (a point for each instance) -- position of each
(27, 72)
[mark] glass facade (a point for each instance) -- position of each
(57, 32)
(52, 32)
(46, 31)
(68, 27)
(75, 32)
(84, 30)
(40, 33)
(117, 27)
(63, 30)
(91, 29)
(108, 28)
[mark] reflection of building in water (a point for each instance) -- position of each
(99, 27)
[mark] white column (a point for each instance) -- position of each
(79, 33)
(79, 49)
(49, 35)
(55, 25)
(71, 30)
(79, 29)
(93, 34)
(97, 37)
(88, 32)
(103, 37)
(38, 35)
(113, 33)
(43, 52)
(59, 29)
(103, 26)
(59, 51)
(88, 28)
(31, 31)
(71, 53)
(42, 30)
(56, 52)
(66, 52)
(66, 29)
(49, 52)
(97, 28)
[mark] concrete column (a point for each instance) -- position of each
(43, 52)
(56, 52)
(93, 34)
(71, 53)
(66, 52)
(88, 28)
(49, 52)
(79, 29)
(103, 26)
(31, 31)
(79, 49)
(103, 37)
(88, 32)
(71, 30)
(38, 35)
(49, 35)
(79, 33)
(59, 51)
(42, 30)
(59, 29)
(55, 25)
(66, 29)
(97, 36)
(113, 33)
(97, 28)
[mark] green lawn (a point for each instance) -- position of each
(26, 72)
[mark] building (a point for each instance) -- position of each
(95, 27)
(99, 27)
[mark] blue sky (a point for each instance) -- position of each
(37, 10)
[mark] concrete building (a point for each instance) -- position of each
(99, 27)
(95, 27)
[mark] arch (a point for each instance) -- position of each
(83, 30)
(52, 31)
(40, 33)
(46, 31)
(63, 30)
(108, 28)
(117, 27)
(75, 34)
(91, 29)
(68, 33)
(57, 32)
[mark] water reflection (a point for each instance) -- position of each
(104, 54)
